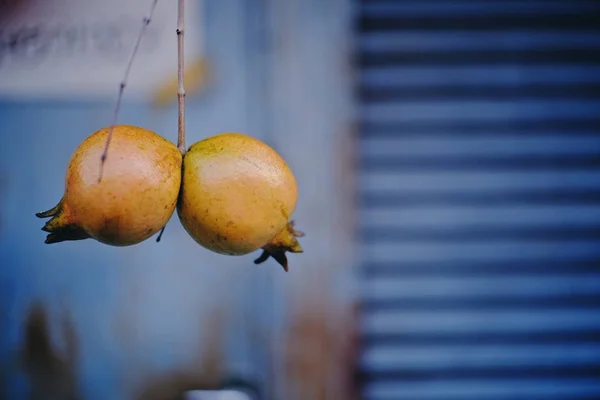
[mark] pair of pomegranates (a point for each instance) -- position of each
(233, 193)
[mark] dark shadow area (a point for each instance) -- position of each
(52, 376)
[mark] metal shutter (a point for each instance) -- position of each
(480, 199)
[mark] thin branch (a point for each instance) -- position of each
(181, 89)
(122, 85)
(180, 75)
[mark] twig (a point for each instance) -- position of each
(181, 89)
(180, 75)
(122, 85)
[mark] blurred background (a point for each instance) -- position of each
(448, 161)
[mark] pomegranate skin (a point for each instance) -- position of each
(236, 195)
(135, 198)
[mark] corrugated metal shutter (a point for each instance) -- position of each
(480, 199)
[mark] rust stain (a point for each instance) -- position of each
(206, 371)
(51, 375)
(321, 349)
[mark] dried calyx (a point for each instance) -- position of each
(58, 227)
(285, 241)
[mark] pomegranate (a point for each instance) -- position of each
(237, 196)
(135, 198)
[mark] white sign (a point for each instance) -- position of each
(80, 48)
(217, 395)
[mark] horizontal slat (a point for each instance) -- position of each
(475, 181)
(483, 251)
(490, 162)
(480, 58)
(571, 18)
(491, 127)
(480, 322)
(550, 372)
(465, 288)
(490, 111)
(506, 217)
(478, 268)
(478, 233)
(486, 389)
(430, 198)
(507, 145)
(467, 302)
(434, 338)
(465, 40)
(475, 8)
(465, 76)
(423, 358)
(482, 92)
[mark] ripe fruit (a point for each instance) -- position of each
(135, 198)
(237, 195)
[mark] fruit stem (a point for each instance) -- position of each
(160, 234)
(145, 23)
(180, 75)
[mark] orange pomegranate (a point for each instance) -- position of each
(135, 198)
(237, 196)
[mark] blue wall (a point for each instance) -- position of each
(141, 309)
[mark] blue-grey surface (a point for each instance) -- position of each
(479, 190)
(136, 310)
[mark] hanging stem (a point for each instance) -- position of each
(122, 85)
(160, 234)
(181, 89)
(180, 75)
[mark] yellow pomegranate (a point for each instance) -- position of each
(135, 197)
(237, 196)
